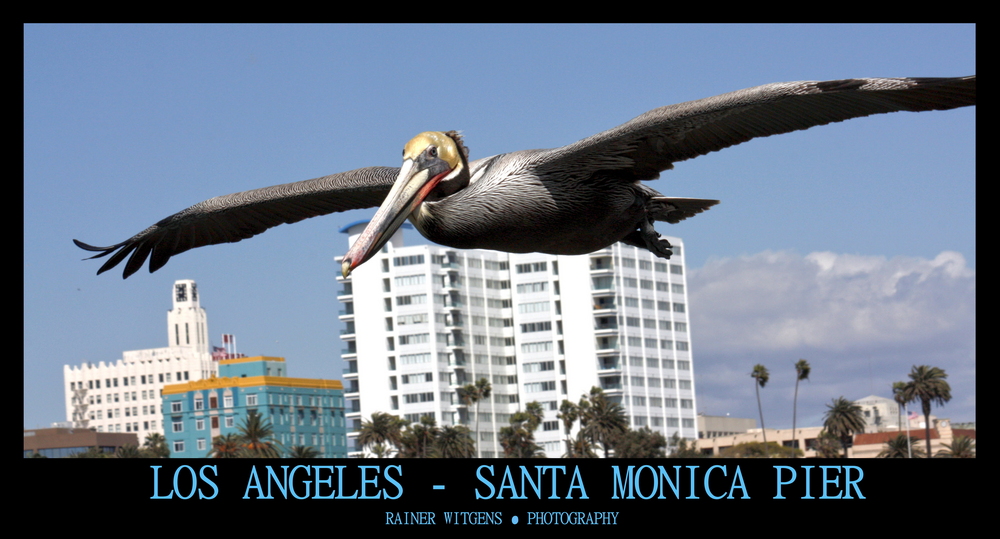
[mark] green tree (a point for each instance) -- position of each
(682, 448)
(156, 446)
(802, 370)
(927, 385)
(827, 445)
(898, 448)
(257, 437)
(640, 444)
(760, 376)
(303, 452)
(961, 447)
(758, 450)
(455, 442)
(380, 433)
(225, 447)
(843, 418)
(602, 420)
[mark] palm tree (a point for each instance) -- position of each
(455, 443)
(257, 437)
(535, 414)
(156, 445)
(381, 430)
(472, 394)
(91, 453)
(568, 413)
(518, 438)
(899, 448)
(418, 439)
(604, 420)
(225, 447)
(802, 369)
(760, 376)
(128, 451)
(581, 448)
(303, 452)
(962, 447)
(898, 395)
(927, 385)
(842, 419)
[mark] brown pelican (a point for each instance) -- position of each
(569, 200)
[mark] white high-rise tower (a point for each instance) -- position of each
(124, 396)
(422, 321)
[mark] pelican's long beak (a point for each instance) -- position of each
(415, 181)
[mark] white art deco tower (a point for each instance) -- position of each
(124, 396)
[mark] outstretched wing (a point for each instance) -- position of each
(235, 217)
(651, 143)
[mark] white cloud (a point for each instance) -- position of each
(861, 321)
(781, 300)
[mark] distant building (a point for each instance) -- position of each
(864, 445)
(806, 437)
(424, 320)
(302, 411)
(64, 442)
(881, 414)
(712, 426)
(124, 396)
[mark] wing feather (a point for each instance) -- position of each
(239, 216)
(643, 147)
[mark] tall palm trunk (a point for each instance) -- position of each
(802, 370)
(795, 409)
(760, 377)
(763, 432)
(477, 427)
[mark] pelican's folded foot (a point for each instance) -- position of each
(647, 237)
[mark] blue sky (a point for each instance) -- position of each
(851, 245)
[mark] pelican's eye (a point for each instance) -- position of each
(432, 151)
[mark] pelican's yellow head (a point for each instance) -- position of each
(435, 165)
(441, 145)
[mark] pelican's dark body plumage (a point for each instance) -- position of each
(569, 200)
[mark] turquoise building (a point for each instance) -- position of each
(302, 411)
